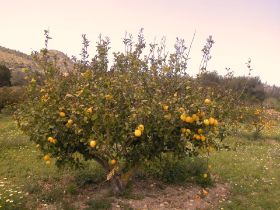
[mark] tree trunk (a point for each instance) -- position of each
(128, 176)
(117, 185)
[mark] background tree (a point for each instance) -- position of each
(5, 76)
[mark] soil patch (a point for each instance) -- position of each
(150, 195)
(166, 197)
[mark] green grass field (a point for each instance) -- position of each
(252, 168)
(253, 171)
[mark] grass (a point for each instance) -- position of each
(251, 167)
(253, 170)
(99, 204)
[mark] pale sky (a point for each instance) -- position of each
(241, 29)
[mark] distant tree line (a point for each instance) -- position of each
(251, 89)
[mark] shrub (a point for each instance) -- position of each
(18, 78)
(5, 76)
(272, 103)
(10, 96)
(90, 174)
(258, 118)
(139, 109)
(172, 170)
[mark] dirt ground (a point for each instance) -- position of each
(165, 197)
(152, 195)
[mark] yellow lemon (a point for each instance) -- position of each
(89, 110)
(206, 122)
(200, 131)
(46, 157)
(215, 122)
(92, 143)
(70, 122)
(61, 114)
(197, 137)
(113, 162)
(203, 138)
(141, 127)
(183, 117)
(137, 132)
(165, 107)
(207, 101)
(211, 121)
(195, 117)
(50, 139)
(189, 119)
(205, 176)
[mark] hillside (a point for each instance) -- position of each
(16, 60)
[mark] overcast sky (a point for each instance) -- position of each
(241, 29)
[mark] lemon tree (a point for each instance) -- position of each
(258, 118)
(121, 116)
